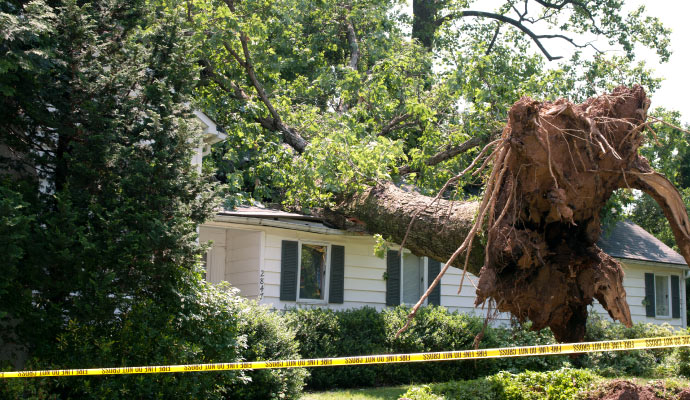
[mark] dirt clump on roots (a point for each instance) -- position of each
(554, 169)
(626, 390)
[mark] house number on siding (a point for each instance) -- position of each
(261, 285)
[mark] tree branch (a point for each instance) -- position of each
(394, 124)
(502, 18)
(275, 123)
(354, 46)
(443, 155)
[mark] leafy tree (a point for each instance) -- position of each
(99, 202)
(334, 107)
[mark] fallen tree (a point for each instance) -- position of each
(340, 109)
(554, 168)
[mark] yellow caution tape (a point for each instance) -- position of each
(570, 348)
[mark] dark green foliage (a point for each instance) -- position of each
(210, 325)
(562, 384)
(328, 333)
(621, 363)
(204, 328)
(99, 202)
(267, 338)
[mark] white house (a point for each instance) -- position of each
(287, 260)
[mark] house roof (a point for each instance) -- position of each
(629, 241)
(262, 212)
(624, 240)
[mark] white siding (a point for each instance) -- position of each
(364, 284)
(248, 256)
(243, 260)
(235, 256)
(633, 281)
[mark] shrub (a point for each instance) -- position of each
(433, 329)
(634, 362)
(522, 335)
(562, 384)
(268, 338)
(201, 328)
(210, 324)
(327, 333)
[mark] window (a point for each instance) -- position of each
(662, 296)
(312, 271)
(407, 278)
(412, 278)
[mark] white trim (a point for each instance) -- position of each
(326, 278)
(643, 263)
(277, 224)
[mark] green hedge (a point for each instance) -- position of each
(649, 363)
(365, 331)
(210, 324)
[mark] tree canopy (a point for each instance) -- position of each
(342, 95)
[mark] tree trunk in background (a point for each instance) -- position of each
(424, 20)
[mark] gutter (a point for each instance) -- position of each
(281, 224)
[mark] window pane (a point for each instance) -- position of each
(312, 272)
(662, 295)
(413, 275)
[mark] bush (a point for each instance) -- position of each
(327, 333)
(267, 338)
(562, 384)
(365, 331)
(434, 329)
(648, 363)
(202, 327)
(210, 324)
(522, 335)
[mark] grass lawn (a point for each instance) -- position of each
(384, 393)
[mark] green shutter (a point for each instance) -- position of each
(434, 267)
(289, 263)
(649, 294)
(337, 280)
(675, 296)
(393, 281)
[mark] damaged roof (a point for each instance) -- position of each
(628, 240)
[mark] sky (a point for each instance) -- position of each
(675, 90)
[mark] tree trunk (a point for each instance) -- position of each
(437, 230)
(424, 20)
(555, 168)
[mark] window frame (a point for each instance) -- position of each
(669, 304)
(425, 274)
(326, 279)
